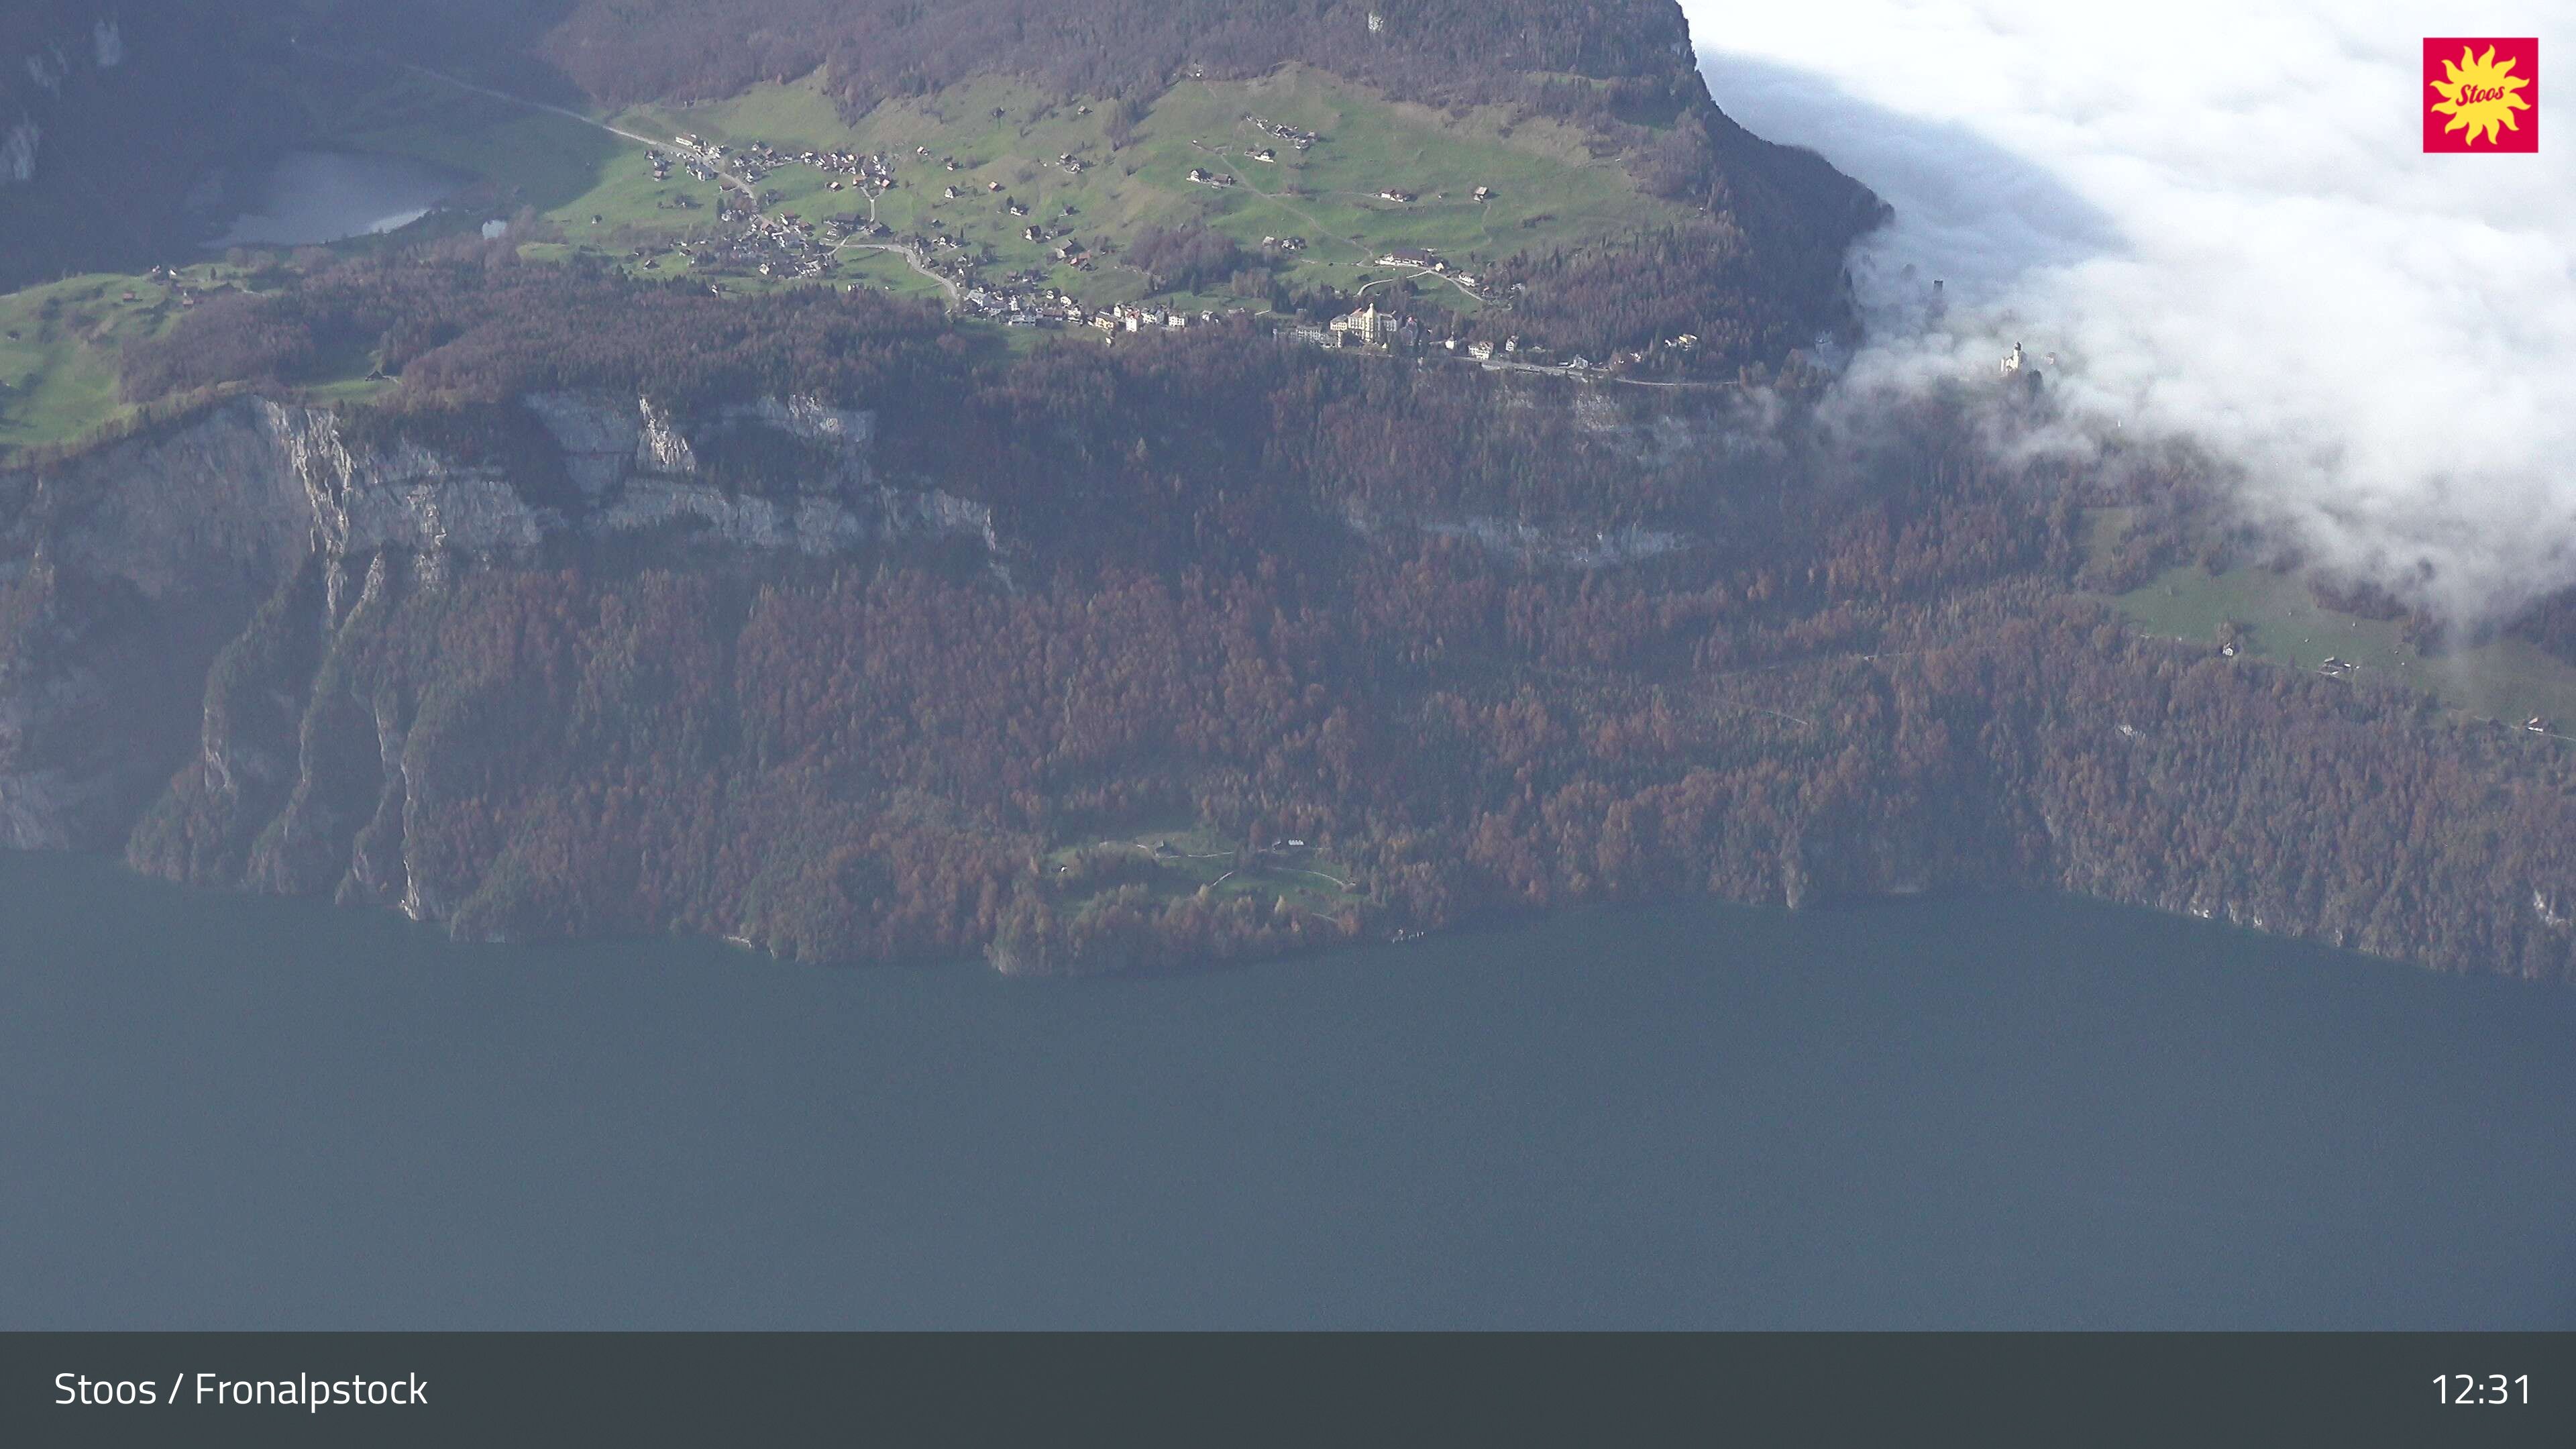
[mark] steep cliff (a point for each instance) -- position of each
(221, 560)
(1087, 681)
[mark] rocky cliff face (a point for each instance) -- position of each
(207, 572)
(590, 664)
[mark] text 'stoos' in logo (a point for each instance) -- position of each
(2481, 94)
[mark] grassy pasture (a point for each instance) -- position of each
(2502, 678)
(58, 353)
(594, 194)
(1309, 879)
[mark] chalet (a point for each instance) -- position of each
(1484, 193)
(992, 186)
(1199, 175)
(1408, 257)
(950, 193)
(1398, 197)
(1266, 154)
(2536, 725)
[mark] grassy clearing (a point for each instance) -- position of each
(58, 373)
(2280, 621)
(58, 354)
(1186, 860)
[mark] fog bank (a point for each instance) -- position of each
(2221, 220)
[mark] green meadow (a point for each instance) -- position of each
(592, 193)
(59, 346)
(1186, 859)
(599, 195)
(2276, 618)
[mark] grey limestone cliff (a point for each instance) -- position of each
(166, 599)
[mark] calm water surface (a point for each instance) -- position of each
(309, 197)
(2017, 1112)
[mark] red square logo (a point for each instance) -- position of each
(2481, 93)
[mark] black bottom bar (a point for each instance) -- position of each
(1820, 1389)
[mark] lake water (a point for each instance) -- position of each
(228, 1111)
(309, 197)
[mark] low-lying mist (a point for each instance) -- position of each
(2220, 222)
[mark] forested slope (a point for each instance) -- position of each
(1053, 658)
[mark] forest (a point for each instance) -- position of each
(1385, 645)
(1247, 592)
(1438, 50)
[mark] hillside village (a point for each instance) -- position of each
(1020, 208)
(752, 237)
(1345, 221)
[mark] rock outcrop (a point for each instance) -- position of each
(199, 574)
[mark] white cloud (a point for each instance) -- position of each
(2221, 217)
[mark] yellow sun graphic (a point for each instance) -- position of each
(2480, 95)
